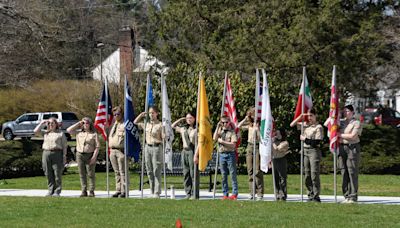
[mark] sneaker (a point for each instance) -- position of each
(352, 201)
(122, 195)
(115, 195)
(225, 197)
(56, 195)
(233, 197)
(91, 194)
(317, 200)
(250, 197)
(188, 197)
(259, 198)
(345, 201)
(156, 196)
(49, 194)
(83, 194)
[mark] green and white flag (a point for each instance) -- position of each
(266, 126)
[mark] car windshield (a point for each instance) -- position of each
(69, 116)
(49, 115)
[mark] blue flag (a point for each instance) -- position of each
(132, 143)
(150, 98)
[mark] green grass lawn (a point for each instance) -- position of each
(114, 212)
(369, 185)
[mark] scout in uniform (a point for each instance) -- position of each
(54, 155)
(253, 137)
(227, 139)
(349, 154)
(188, 133)
(312, 137)
(117, 156)
(280, 147)
(153, 151)
(87, 149)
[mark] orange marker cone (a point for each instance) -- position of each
(178, 223)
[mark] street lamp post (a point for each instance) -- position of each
(101, 46)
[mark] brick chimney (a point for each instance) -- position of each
(126, 45)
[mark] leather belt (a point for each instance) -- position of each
(154, 145)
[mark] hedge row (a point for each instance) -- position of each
(20, 159)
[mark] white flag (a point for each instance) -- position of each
(166, 121)
(265, 127)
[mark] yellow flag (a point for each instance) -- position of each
(205, 135)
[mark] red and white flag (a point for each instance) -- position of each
(259, 96)
(333, 123)
(230, 110)
(100, 122)
(306, 93)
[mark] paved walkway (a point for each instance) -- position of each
(204, 195)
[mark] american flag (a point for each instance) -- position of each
(100, 120)
(259, 105)
(259, 93)
(230, 109)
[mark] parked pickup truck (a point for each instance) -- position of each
(24, 125)
(381, 116)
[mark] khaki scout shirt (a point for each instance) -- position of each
(191, 134)
(229, 136)
(280, 149)
(349, 127)
(314, 131)
(86, 142)
(250, 128)
(54, 141)
(117, 134)
(153, 132)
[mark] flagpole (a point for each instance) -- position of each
(125, 148)
(273, 177)
(144, 135)
(272, 163)
(256, 97)
(302, 132)
(106, 133)
(335, 148)
(163, 129)
(165, 175)
(196, 166)
(222, 113)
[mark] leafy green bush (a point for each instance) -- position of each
(20, 159)
(380, 151)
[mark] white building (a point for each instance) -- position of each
(142, 62)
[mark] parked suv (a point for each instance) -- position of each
(24, 125)
(381, 115)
